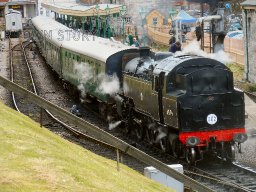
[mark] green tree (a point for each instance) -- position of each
(236, 6)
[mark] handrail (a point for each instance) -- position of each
(104, 136)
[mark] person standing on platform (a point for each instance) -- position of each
(136, 42)
(130, 39)
(172, 40)
(198, 32)
(175, 47)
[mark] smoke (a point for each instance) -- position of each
(109, 85)
(132, 65)
(114, 125)
(194, 49)
(84, 73)
(106, 84)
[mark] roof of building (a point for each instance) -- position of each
(249, 2)
(17, 2)
(75, 9)
(184, 17)
(62, 36)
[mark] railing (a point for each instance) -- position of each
(103, 136)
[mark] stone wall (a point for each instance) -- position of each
(250, 39)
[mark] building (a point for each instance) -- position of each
(249, 16)
(105, 20)
(28, 8)
(138, 10)
(131, 21)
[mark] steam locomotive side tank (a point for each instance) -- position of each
(186, 103)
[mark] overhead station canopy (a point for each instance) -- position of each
(249, 3)
(184, 17)
(75, 9)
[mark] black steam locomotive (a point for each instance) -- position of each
(185, 103)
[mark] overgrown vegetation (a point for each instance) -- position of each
(238, 72)
(159, 48)
(34, 159)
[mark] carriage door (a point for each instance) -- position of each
(157, 97)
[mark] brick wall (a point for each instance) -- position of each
(235, 48)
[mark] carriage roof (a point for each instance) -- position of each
(62, 36)
(11, 11)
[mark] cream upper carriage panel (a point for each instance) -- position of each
(95, 47)
(92, 46)
(50, 29)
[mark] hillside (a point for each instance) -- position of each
(34, 159)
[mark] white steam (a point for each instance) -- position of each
(114, 125)
(126, 88)
(109, 85)
(194, 49)
(84, 73)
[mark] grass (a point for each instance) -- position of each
(34, 159)
(238, 73)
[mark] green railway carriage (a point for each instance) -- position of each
(80, 60)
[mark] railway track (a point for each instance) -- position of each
(20, 74)
(210, 177)
(57, 125)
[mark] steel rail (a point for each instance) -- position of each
(74, 131)
(11, 49)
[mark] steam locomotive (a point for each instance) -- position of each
(186, 104)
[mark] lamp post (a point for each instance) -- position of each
(177, 19)
(122, 13)
(142, 13)
(97, 7)
(107, 9)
